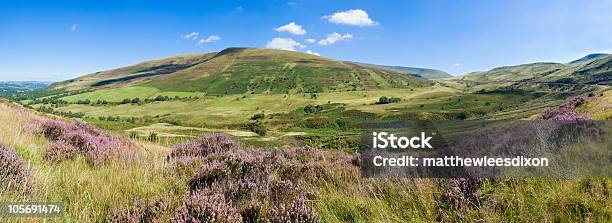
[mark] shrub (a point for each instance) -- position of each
(297, 212)
(252, 185)
(208, 174)
(312, 108)
(60, 150)
(258, 127)
(258, 116)
(462, 193)
(14, 172)
(388, 100)
(566, 111)
(141, 211)
(152, 137)
(70, 139)
(207, 207)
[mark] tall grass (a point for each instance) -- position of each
(155, 188)
(88, 192)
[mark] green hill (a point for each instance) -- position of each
(242, 70)
(588, 70)
(591, 57)
(414, 71)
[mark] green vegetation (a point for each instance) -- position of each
(238, 71)
(269, 99)
(388, 100)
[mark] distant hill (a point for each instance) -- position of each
(14, 89)
(241, 70)
(414, 71)
(589, 57)
(591, 69)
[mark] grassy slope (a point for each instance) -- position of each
(240, 70)
(588, 71)
(87, 192)
(90, 192)
(149, 67)
(232, 109)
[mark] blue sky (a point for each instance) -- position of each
(58, 40)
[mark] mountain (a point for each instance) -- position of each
(414, 71)
(241, 70)
(591, 57)
(591, 69)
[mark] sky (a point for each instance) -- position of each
(59, 40)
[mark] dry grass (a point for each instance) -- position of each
(88, 193)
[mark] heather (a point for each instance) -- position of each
(288, 184)
(567, 111)
(143, 210)
(69, 140)
(14, 172)
(254, 185)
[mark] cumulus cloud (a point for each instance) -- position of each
(335, 37)
(310, 40)
(456, 65)
(284, 44)
(292, 28)
(313, 53)
(191, 35)
(74, 27)
(209, 39)
(353, 17)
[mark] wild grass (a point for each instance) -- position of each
(87, 192)
(93, 193)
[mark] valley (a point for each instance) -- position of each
(305, 112)
(274, 98)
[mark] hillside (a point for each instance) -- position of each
(242, 70)
(414, 71)
(591, 57)
(592, 69)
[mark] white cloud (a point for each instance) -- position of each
(310, 40)
(456, 65)
(239, 8)
(283, 44)
(209, 39)
(353, 17)
(74, 27)
(335, 37)
(191, 35)
(292, 28)
(313, 53)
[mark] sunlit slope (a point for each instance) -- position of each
(588, 70)
(242, 70)
(131, 74)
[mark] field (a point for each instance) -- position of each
(283, 115)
